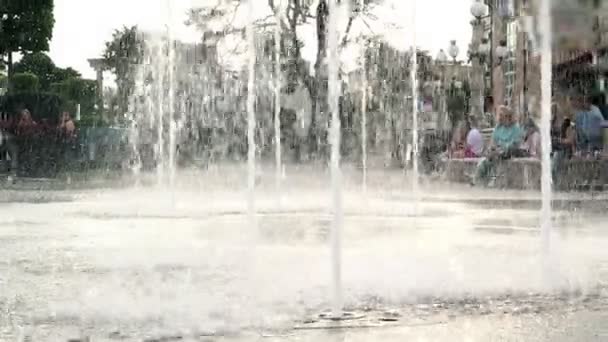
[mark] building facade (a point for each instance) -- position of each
(579, 27)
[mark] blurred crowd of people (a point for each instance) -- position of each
(578, 134)
(22, 137)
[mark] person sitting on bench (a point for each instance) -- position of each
(504, 144)
(531, 146)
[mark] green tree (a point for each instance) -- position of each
(74, 91)
(65, 74)
(294, 14)
(121, 53)
(38, 64)
(25, 26)
(25, 82)
(41, 65)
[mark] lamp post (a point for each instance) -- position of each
(441, 60)
(481, 10)
(453, 50)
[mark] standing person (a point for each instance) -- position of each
(474, 141)
(599, 100)
(8, 146)
(563, 147)
(506, 139)
(588, 119)
(66, 127)
(26, 125)
(66, 133)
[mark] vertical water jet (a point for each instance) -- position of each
(251, 94)
(414, 85)
(364, 85)
(336, 177)
(545, 23)
(277, 101)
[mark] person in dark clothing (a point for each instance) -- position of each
(9, 147)
(599, 100)
(563, 146)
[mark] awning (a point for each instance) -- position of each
(571, 56)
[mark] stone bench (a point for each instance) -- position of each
(460, 170)
(519, 173)
(525, 173)
(579, 173)
(513, 173)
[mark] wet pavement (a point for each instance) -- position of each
(122, 261)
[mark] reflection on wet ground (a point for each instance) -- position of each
(146, 263)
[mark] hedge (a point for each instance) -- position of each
(41, 105)
(25, 82)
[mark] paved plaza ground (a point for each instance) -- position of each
(124, 260)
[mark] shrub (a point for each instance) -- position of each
(25, 82)
(41, 105)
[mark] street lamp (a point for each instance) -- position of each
(482, 51)
(453, 50)
(501, 51)
(479, 10)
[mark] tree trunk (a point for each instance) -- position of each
(9, 70)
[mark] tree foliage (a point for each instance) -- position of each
(217, 21)
(26, 26)
(65, 83)
(41, 105)
(79, 91)
(41, 65)
(25, 82)
(125, 49)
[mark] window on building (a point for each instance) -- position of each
(506, 8)
(510, 61)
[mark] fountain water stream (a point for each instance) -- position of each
(414, 85)
(277, 103)
(251, 93)
(159, 79)
(364, 86)
(336, 178)
(546, 75)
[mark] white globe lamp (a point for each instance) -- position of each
(453, 50)
(478, 9)
(501, 51)
(441, 57)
